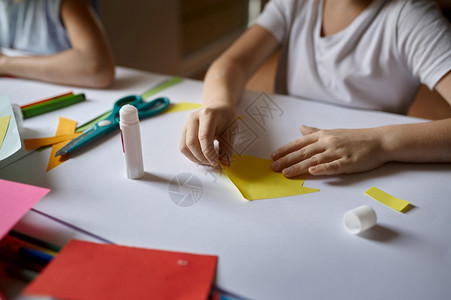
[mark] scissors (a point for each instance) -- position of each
(145, 110)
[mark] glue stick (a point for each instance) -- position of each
(131, 141)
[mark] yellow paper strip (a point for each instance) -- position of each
(182, 106)
(65, 127)
(387, 199)
(255, 179)
(4, 124)
(32, 144)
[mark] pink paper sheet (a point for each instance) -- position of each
(15, 201)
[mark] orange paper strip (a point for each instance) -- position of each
(65, 127)
(32, 144)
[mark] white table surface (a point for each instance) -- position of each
(286, 248)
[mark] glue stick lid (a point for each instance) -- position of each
(128, 115)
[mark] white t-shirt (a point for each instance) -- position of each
(377, 62)
(33, 25)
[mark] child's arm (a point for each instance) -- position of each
(88, 63)
(224, 85)
(329, 152)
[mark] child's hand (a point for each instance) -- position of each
(203, 127)
(329, 152)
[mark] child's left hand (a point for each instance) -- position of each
(329, 152)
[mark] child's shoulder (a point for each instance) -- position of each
(411, 6)
(406, 13)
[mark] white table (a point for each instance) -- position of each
(286, 248)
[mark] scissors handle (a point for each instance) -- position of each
(132, 99)
(151, 108)
(110, 123)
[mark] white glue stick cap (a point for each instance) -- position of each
(359, 219)
(128, 114)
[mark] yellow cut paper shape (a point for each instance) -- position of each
(4, 124)
(32, 144)
(255, 179)
(182, 106)
(65, 127)
(388, 200)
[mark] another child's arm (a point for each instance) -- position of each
(224, 85)
(88, 63)
(329, 152)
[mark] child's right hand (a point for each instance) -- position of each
(203, 127)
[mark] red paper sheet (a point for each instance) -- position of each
(2, 297)
(85, 270)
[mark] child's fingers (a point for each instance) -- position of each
(185, 150)
(297, 156)
(304, 129)
(304, 166)
(293, 146)
(330, 168)
(190, 145)
(206, 140)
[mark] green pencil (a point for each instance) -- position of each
(33, 240)
(51, 105)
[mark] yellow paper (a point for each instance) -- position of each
(182, 106)
(387, 199)
(32, 144)
(65, 127)
(255, 179)
(4, 124)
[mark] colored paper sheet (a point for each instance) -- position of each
(15, 200)
(388, 200)
(10, 142)
(162, 86)
(182, 106)
(32, 144)
(65, 127)
(4, 124)
(86, 270)
(255, 179)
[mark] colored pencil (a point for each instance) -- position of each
(26, 254)
(34, 255)
(45, 100)
(51, 105)
(10, 240)
(35, 241)
(12, 256)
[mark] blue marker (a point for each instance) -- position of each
(35, 255)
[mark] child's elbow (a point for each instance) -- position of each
(101, 74)
(104, 79)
